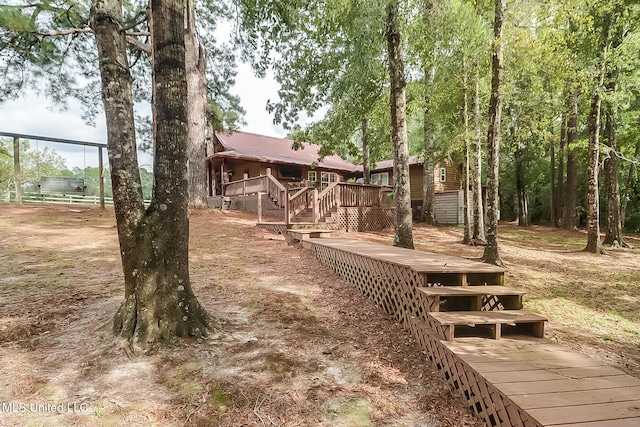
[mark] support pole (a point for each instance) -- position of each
(16, 169)
(316, 216)
(259, 206)
(286, 206)
(101, 179)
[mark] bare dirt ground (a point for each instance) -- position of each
(296, 345)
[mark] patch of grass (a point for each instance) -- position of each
(353, 412)
(220, 400)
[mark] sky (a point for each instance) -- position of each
(33, 115)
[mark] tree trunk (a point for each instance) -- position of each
(491, 255)
(593, 164)
(159, 303)
(403, 236)
(628, 188)
(478, 236)
(196, 64)
(614, 220)
(571, 189)
(559, 204)
(466, 239)
(553, 194)
(524, 219)
(428, 162)
(366, 151)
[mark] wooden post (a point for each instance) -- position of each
(338, 196)
(259, 206)
(244, 183)
(16, 169)
(268, 172)
(316, 216)
(101, 178)
(380, 196)
(286, 206)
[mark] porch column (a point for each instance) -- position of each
(259, 206)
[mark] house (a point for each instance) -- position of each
(449, 198)
(295, 185)
(241, 155)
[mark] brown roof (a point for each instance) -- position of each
(268, 149)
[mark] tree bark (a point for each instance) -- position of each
(428, 162)
(593, 164)
(614, 234)
(196, 65)
(491, 255)
(478, 237)
(571, 189)
(524, 219)
(366, 151)
(159, 302)
(553, 194)
(559, 204)
(403, 236)
(466, 239)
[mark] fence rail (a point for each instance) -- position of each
(60, 199)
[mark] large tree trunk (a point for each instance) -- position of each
(593, 165)
(196, 64)
(571, 189)
(403, 236)
(614, 220)
(428, 162)
(366, 151)
(491, 255)
(478, 236)
(466, 238)
(159, 302)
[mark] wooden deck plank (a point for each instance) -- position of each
(418, 260)
(625, 422)
(577, 384)
(575, 398)
(587, 413)
(485, 317)
(469, 290)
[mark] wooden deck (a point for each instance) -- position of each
(554, 386)
(516, 381)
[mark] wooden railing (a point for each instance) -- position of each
(338, 194)
(265, 184)
(301, 200)
(328, 199)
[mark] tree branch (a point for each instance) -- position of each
(144, 47)
(64, 32)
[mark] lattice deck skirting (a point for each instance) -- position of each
(393, 287)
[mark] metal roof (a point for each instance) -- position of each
(388, 164)
(246, 145)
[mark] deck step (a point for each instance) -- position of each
(445, 323)
(308, 233)
(460, 298)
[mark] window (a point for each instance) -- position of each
(327, 178)
(380, 178)
(292, 172)
(443, 175)
(312, 176)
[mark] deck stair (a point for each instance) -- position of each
(478, 310)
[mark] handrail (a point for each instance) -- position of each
(263, 183)
(301, 200)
